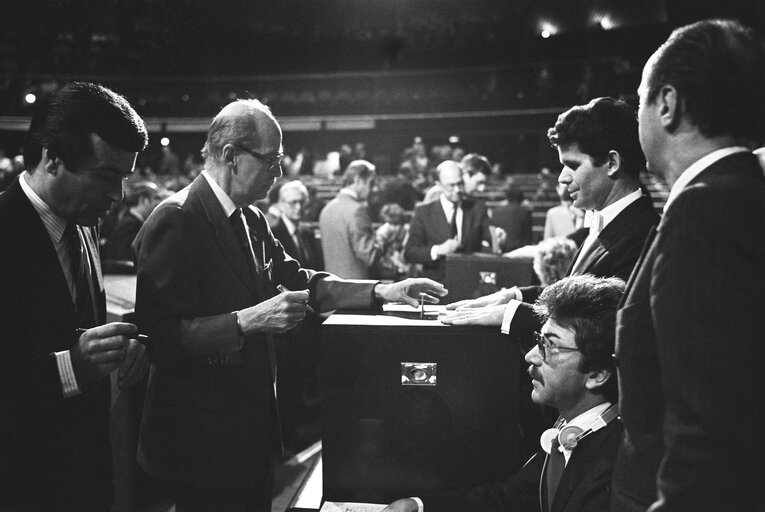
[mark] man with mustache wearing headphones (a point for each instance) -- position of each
(571, 370)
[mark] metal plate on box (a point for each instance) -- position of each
(488, 277)
(418, 374)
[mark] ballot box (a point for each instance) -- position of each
(413, 406)
(473, 275)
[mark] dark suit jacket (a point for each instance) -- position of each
(690, 351)
(210, 417)
(281, 233)
(613, 254)
(54, 452)
(429, 227)
(122, 236)
(584, 486)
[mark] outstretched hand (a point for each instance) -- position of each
(493, 299)
(409, 291)
(489, 316)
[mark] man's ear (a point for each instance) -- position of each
(228, 155)
(51, 163)
(670, 106)
(614, 163)
(597, 378)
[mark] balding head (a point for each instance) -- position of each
(450, 177)
(244, 150)
(243, 122)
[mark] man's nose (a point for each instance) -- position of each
(565, 176)
(533, 356)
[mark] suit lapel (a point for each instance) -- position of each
(223, 232)
(584, 261)
(635, 271)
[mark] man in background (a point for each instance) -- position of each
(450, 225)
(293, 197)
(347, 238)
(56, 351)
(572, 371)
(140, 200)
(689, 333)
(476, 169)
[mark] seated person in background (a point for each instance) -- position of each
(450, 225)
(571, 370)
(399, 190)
(140, 199)
(477, 170)
(564, 219)
(552, 259)
(599, 149)
(514, 219)
(391, 237)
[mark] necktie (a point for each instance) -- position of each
(454, 222)
(241, 235)
(556, 462)
(80, 270)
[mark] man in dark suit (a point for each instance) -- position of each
(571, 370)
(447, 226)
(298, 243)
(213, 287)
(689, 333)
(514, 219)
(141, 199)
(56, 353)
(599, 149)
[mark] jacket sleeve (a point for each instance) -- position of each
(417, 248)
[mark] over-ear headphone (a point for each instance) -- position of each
(570, 435)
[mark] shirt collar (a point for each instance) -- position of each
(697, 168)
(291, 227)
(610, 212)
(228, 205)
(54, 224)
(349, 191)
(587, 418)
(448, 205)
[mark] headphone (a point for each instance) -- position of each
(570, 435)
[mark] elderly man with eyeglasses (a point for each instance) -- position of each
(572, 370)
(214, 286)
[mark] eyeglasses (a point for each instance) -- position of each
(271, 161)
(544, 344)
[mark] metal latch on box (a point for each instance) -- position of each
(418, 374)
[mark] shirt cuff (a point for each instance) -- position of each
(66, 373)
(433, 255)
(420, 506)
(507, 319)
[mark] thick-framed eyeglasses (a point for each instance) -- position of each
(271, 161)
(544, 344)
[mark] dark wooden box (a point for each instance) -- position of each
(473, 275)
(384, 439)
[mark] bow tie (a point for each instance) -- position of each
(596, 222)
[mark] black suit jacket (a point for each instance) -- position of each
(429, 227)
(120, 239)
(613, 254)
(281, 233)
(584, 486)
(54, 452)
(690, 351)
(210, 416)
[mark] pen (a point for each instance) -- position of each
(140, 338)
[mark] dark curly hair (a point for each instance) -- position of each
(587, 305)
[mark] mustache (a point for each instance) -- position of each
(533, 373)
